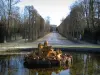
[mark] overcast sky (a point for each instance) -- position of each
(55, 9)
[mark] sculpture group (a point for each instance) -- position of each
(46, 56)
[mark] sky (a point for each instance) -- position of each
(55, 9)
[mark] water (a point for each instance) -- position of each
(83, 64)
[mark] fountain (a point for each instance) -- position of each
(45, 57)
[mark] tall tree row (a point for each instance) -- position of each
(34, 25)
(83, 22)
(14, 25)
(9, 17)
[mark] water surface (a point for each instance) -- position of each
(83, 64)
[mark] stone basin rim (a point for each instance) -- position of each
(93, 48)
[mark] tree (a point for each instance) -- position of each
(84, 19)
(34, 24)
(74, 22)
(9, 6)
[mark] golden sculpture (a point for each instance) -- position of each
(48, 52)
(47, 55)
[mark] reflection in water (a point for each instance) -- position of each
(13, 65)
(83, 64)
